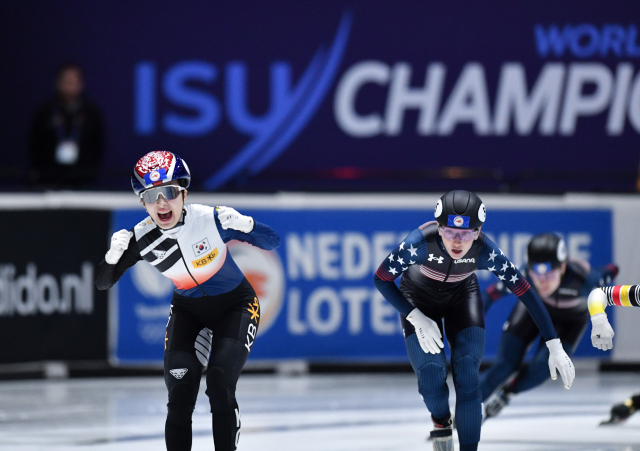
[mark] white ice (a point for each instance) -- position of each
(370, 412)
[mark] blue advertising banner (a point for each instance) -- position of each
(316, 291)
(338, 95)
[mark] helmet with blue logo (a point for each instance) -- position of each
(545, 252)
(460, 209)
(159, 167)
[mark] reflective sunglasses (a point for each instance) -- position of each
(169, 192)
(463, 234)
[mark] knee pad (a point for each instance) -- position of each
(466, 370)
(221, 392)
(432, 377)
(182, 375)
(225, 365)
(466, 356)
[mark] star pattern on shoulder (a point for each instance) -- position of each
(404, 268)
(492, 255)
(391, 257)
(501, 253)
(393, 271)
(411, 262)
(504, 267)
(402, 246)
(514, 278)
(513, 266)
(493, 268)
(413, 251)
(400, 260)
(501, 277)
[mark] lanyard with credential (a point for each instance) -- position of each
(61, 133)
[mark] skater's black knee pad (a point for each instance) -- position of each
(180, 406)
(223, 372)
(182, 376)
(221, 391)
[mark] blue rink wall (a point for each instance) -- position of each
(318, 301)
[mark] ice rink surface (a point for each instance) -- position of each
(345, 412)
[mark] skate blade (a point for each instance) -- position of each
(440, 444)
(612, 422)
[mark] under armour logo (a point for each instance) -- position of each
(179, 373)
(597, 336)
(432, 257)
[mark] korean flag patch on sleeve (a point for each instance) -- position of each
(201, 247)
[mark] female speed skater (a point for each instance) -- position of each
(214, 312)
(563, 283)
(437, 264)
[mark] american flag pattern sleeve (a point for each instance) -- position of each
(411, 251)
(493, 259)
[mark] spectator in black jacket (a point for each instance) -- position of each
(66, 139)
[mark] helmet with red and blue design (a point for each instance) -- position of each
(159, 167)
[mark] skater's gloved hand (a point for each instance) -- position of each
(559, 360)
(119, 244)
(231, 219)
(601, 332)
(427, 331)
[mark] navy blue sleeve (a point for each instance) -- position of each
(261, 236)
(600, 277)
(412, 251)
(493, 259)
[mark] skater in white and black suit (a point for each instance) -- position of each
(214, 313)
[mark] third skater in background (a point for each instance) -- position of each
(563, 283)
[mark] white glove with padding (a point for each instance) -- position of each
(427, 331)
(231, 219)
(119, 244)
(560, 361)
(601, 332)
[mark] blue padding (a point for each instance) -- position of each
(466, 355)
(511, 350)
(431, 370)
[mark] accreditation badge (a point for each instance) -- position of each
(67, 152)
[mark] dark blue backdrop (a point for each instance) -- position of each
(540, 96)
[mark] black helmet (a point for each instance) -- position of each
(462, 209)
(545, 252)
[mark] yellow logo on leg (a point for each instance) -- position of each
(254, 308)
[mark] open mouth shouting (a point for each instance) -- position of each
(165, 217)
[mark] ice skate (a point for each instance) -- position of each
(499, 402)
(442, 435)
(620, 413)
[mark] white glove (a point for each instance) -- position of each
(427, 331)
(559, 360)
(601, 332)
(231, 219)
(119, 244)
